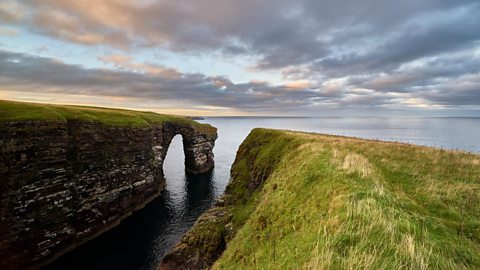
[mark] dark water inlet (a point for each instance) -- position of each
(141, 240)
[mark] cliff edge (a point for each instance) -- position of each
(69, 173)
(311, 201)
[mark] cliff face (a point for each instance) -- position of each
(64, 182)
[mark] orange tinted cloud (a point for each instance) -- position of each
(11, 12)
(300, 84)
(127, 62)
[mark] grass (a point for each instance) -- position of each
(308, 201)
(20, 111)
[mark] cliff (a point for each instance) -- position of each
(69, 173)
(309, 201)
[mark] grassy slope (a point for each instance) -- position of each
(342, 203)
(20, 111)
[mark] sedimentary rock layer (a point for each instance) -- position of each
(65, 182)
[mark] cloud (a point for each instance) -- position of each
(11, 12)
(335, 37)
(464, 90)
(20, 72)
(280, 32)
(420, 37)
(332, 54)
(6, 31)
(124, 62)
(30, 74)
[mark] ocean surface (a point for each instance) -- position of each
(142, 240)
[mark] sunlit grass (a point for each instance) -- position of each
(20, 111)
(340, 203)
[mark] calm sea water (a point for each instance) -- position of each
(142, 240)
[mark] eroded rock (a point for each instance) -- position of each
(64, 183)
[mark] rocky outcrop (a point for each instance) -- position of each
(203, 244)
(65, 182)
(197, 145)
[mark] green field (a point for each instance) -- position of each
(310, 201)
(20, 111)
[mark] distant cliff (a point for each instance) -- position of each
(69, 173)
(310, 201)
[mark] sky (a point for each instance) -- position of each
(250, 57)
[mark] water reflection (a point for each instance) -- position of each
(199, 191)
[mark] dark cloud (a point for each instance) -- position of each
(281, 32)
(439, 33)
(463, 91)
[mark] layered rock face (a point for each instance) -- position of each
(197, 146)
(65, 182)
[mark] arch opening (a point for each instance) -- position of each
(189, 194)
(174, 165)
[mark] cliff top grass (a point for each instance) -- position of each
(330, 202)
(21, 111)
(342, 203)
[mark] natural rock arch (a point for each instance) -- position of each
(66, 182)
(197, 146)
